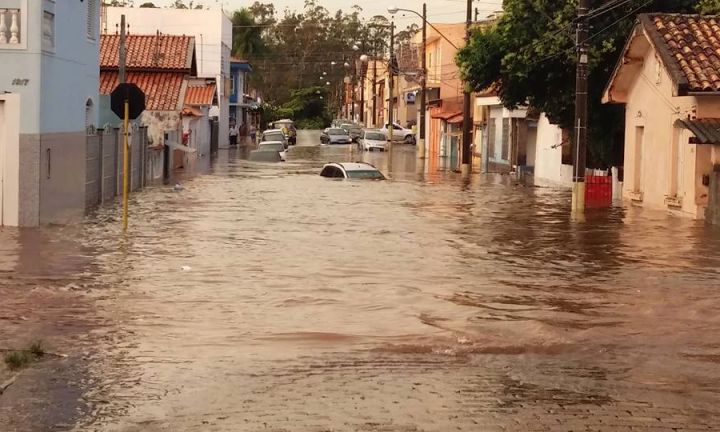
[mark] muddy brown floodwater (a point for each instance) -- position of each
(265, 298)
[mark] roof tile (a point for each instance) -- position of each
(200, 94)
(162, 89)
(693, 41)
(148, 52)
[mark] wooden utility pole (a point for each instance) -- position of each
(581, 94)
(467, 121)
(423, 85)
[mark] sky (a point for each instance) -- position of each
(438, 10)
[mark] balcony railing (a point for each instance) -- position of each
(9, 27)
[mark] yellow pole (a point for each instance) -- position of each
(126, 165)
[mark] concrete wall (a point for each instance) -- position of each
(159, 122)
(661, 168)
(55, 72)
(212, 30)
(10, 159)
(548, 155)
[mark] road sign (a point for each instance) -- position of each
(133, 95)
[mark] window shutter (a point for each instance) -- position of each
(91, 15)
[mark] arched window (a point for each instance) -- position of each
(89, 114)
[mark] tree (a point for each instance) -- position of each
(148, 5)
(529, 56)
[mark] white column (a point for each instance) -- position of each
(3, 27)
(14, 27)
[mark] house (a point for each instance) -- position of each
(444, 120)
(200, 94)
(376, 87)
(49, 55)
(212, 31)
(242, 107)
(668, 78)
(520, 140)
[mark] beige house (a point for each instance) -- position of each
(668, 78)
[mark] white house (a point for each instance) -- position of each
(49, 55)
(212, 30)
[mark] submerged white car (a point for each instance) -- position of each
(372, 139)
(352, 170)
(271, 147)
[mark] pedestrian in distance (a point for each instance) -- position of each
(234, 132)
(253, 133)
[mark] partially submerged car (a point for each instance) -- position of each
(274, 135)
(372, 139)
(351, 170)
(335, 136)
(269, 151)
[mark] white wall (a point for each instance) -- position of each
(548, 154)
(9, 159)
(212, 30)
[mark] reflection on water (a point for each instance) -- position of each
(262, 296)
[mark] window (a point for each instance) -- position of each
(48, 31)
(232, 84)
(89, 115)
(92, 18)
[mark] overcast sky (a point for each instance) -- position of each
(438, 10)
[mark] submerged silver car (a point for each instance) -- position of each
(352, 170)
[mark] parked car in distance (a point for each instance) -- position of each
(351, 170)
(353, 130)
(269, 151)
(400, 133)
(335, 136)
(372, 139)
(274, 135)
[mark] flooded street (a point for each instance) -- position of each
(262, 297)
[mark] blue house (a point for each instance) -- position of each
(241, 105)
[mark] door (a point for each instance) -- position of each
(637, 168)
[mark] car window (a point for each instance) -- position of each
(366, 174)
(337, 132)
(339, 173)
(375, 136)
(274, 136)
(269, 147)
(327, 171)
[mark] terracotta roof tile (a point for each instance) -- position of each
(693, 42)
(148, 52)
(162, 89)
(200, 94)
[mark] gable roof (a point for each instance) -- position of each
(688, 45)
(149, 53)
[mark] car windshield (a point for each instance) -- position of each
(271, 146)
(375, 136)
(337, 132)
(273, 136)
(365, 174)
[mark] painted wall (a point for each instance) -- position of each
(212, 30)
(10, 159)
(55, 71)
(659, 162)
(549, 168)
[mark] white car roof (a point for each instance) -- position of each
(271, 142)
(356, 166)
(273, 130)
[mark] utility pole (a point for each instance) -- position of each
(581, 89)
(467, 121)
(126, 125)
(362, 92)
(374, 90)
(391, 82)
(423, 86)
(477, 14)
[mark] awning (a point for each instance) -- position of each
(183, 148)
(456, 119)
(192, 111)
(444, 115)
(706, 131)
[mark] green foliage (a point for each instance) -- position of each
(37, 349)
(709, 7)
(148, 5)
(529, 56)
(17, 360)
